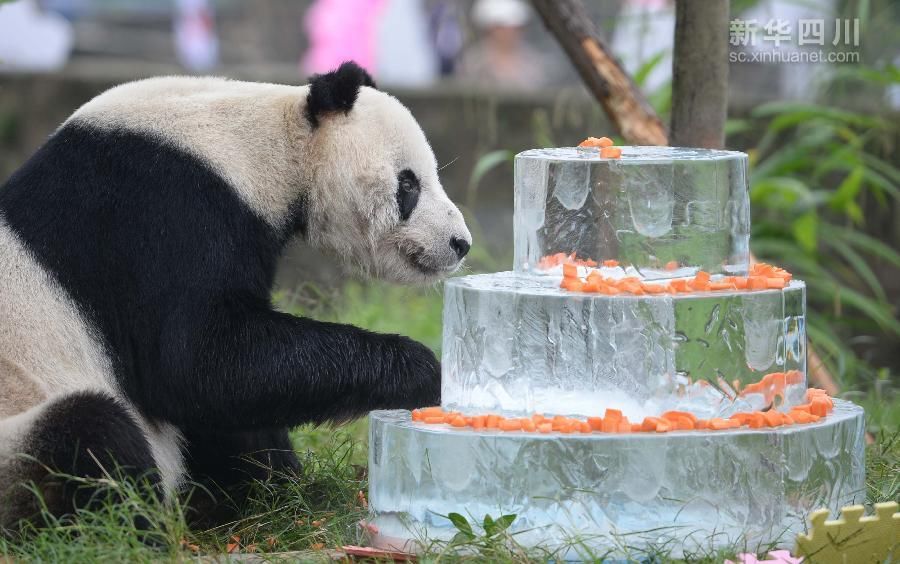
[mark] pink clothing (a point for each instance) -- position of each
(339, 31)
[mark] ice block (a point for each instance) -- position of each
(682, 490)
(666, 211)
(516, 343)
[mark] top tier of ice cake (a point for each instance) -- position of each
(665, 211)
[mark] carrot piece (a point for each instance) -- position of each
(572, 284)
(671, 265)
(679, 285)
(649, 423)
(434, 419)
(819, 406)
(566, 428)
(775, 283)
(717, 424)
(813, 392)
(478, 422)
(570, 270)
(590, 142)
(610, 290)
(492, 421)
(538, 418)
(434, 410)
(801, 416)
(610, 425)
(528, 425)
(787, 419)
(458, 422)
(613, 414)
(596, 423)
(757, 420)
(701, 424)
(545, 427)
(663, 427)
(793, 377)
(757, 283)
(510, 425)
(585, 427)
(591, 287)
(610, 153)
(702, 277)
(716, 286)
(417, 415)
(604, 142)
(624, 426)
(611, 263)
(653, 288)
(740, 282)
(678, 414)
(773, 418)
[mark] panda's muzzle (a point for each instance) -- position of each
(460, 247)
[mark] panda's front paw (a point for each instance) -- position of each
(418, 376)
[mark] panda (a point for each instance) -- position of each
(139, 248)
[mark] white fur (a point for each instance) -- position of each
(256, 136)
(47, 350)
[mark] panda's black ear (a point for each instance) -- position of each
(335, 91)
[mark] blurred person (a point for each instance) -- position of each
(404, 54)
(447, 35)
(33, 40)
(339, 31)
(195, 35)
(502, 56)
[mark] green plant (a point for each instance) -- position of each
(819, 176)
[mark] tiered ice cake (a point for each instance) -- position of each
(633, 382)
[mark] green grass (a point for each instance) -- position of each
(321, 507)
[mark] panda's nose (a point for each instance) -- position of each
(459, 246)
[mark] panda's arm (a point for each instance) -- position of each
(242, 365)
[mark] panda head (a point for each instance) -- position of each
(375, 199)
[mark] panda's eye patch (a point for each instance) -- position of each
(407, 193)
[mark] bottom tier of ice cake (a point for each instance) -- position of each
(685, 491)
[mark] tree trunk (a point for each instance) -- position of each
(626, 107)
(700, 74)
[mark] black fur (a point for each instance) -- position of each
(86, 435)
(175, 272)
(335, 91)
(226, 464)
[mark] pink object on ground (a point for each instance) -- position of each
(775, 557)
(339, 31)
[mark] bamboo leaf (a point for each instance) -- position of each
(859, 265)
(870, 245)
(847, 191)
(805, 230)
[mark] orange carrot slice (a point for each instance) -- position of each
(570, 270)
(596, 423)
(611, 263)
(610, 153)
(510, 425)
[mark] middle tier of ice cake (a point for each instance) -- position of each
(517, 343)
(666, 211)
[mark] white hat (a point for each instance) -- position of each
(511, 13)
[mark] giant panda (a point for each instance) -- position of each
(138, 249)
